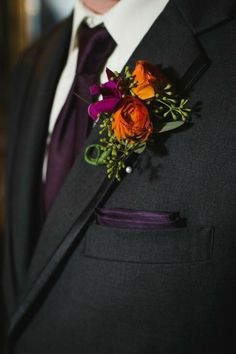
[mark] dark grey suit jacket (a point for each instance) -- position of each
(78, 287)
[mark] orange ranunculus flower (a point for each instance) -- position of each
(149, 79)
(131, 121)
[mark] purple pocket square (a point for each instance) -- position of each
(138, 219)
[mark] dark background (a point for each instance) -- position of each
(21, 23)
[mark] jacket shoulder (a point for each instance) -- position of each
(31, 53)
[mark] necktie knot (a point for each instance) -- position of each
(95, 46)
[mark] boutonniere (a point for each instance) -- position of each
(134, 107)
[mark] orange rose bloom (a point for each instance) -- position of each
(149, 79)
(131, 121)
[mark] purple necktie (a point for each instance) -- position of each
(73, 124)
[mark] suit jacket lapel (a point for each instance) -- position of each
(29, 152)
(171, 44)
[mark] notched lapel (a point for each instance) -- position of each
(169, 43)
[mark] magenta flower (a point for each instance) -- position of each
(111, 93)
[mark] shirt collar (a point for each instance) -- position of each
(122, 20)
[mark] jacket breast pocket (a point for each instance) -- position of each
(180, 245)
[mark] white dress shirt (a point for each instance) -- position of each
(127, 22)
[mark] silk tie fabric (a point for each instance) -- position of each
(73, 124)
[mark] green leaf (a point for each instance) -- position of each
(140, 148)
(170, 126)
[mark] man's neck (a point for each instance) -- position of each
(99, 6)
